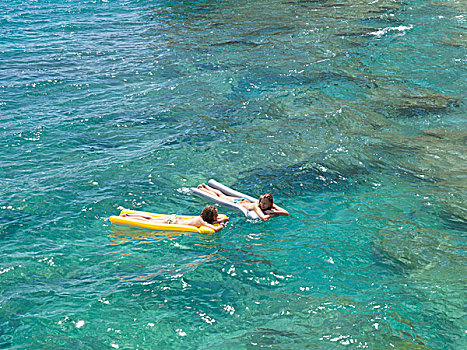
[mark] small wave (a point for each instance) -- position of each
(380, 33)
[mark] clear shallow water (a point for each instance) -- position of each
(352, 115)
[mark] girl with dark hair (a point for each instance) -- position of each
(207, 218)
(265, 207)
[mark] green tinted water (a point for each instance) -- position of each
(351, 115)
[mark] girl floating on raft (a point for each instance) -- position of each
(265, 207)
(207, 218)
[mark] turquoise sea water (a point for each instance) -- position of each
(352, 114)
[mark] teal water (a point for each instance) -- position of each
(352, 114)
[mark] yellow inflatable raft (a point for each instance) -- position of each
(157, 226)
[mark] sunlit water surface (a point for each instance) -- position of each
(352, 114)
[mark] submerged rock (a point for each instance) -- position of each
(409, 247)
(455, 40)
(454, 136)
(435, 103)
(398, 99)
(437, 156)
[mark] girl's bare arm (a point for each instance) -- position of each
(215, 228)
(221, 219)
(260, 213)
(278, 211)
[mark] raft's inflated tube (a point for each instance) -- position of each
(129, 221)
(251, 214)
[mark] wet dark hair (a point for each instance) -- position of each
(209, 214)
(268, 197)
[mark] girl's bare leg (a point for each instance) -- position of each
(214, 192)
(210, 190)
(143, 217)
